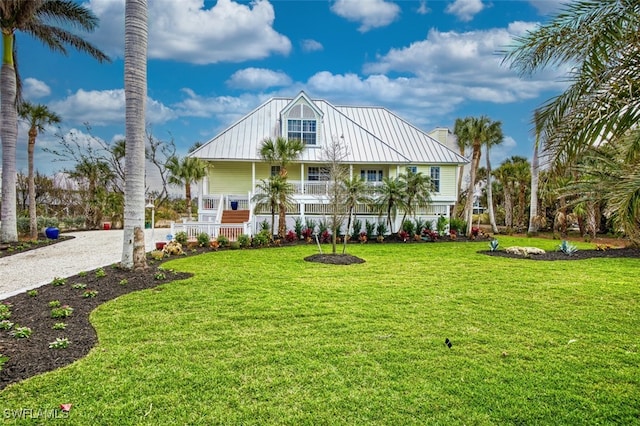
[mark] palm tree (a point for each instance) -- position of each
(463, 142)
(598, 41)
(37, 116)
(282, 152)
(522, 176)
(476, 131)
(416, 192)
(268, 196)
(389, 199)
(534, 220)
(504, 175)
(185, 172)
(135, 92)
(494, 137)
(35, 17)
(355, 192)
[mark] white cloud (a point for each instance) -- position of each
(468, 63)
(105, 107)
(188, 32)
(225, 108)
(465, 10)
(258, 78)
(34, 89)
(423, 9)
(548, 7)
(311, 45)
(370, 13)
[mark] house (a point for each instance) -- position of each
(379, 144)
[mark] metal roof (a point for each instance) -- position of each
(371, 134)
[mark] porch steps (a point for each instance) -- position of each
(235, 216)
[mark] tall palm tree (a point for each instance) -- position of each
(534, 220)
(184, 173)
(504, 175)
(463, 142)
(135, 92)
(37, 117)
(34, 17)
(598, 41)
(389, 199)
(417, 192)
(474, 130)
(282, 152)
(494, 137)
(522, 176)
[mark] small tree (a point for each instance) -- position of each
(185, 172)
(335, 154)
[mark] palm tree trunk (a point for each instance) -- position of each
(508, 206)
(492, 216)
(135, 83)
(282, 220)
(187, 196)
(9, 136)
(533, 212)
(33, 220)
(468, 210)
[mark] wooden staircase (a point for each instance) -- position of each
(235, 216)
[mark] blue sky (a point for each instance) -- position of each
(212, 62)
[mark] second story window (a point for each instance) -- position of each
(371, 175)
(435, 179)
(304, 130)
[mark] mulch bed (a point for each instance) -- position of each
(578, 255)
(9, 249)
(31, 356)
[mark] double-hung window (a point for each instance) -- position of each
(435, 179)
(304, 130)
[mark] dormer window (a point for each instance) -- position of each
(302, 122)
(304, 130)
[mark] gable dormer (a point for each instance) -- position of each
(301, 119)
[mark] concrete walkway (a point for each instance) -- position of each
(87, 251)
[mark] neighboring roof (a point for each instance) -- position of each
(372, 134)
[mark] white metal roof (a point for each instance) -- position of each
(372, 135)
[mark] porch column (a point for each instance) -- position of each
(350, 171)
(253, 175)
(302, 178)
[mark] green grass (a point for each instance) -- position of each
(262, 337)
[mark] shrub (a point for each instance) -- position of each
(325, 237)
(59, 326)
(420, 225)
(222, 240)
(298, 227)
(60, 343)
(58, 281)
(441, 225)
(357, 226)
(21, 332)
(32, 293)
(381, 229)
(475, 231)
(311, 224)
(3, 360)
(493, 245)
(157, 254)
(61, 312)
(370, 227)
(403, 235)
(307, 233)
(322, 226)
(5, 312)
(100, 273)
(181, 237)
(203, 239)
(291, 236)
(261, 239)
(5, 325)
(409, 227)
(234, 245)
(244, 240)
(54, 304)
(567, 248)
(458, 224)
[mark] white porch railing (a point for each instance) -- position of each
(230, 230)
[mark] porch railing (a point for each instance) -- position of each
(230, 230)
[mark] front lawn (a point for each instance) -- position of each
(263, 337)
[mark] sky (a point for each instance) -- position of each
(212, 62)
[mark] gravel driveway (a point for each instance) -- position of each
(88, 250)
